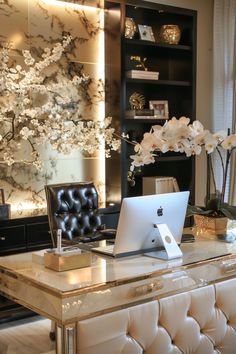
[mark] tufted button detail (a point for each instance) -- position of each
(73, 208)
(182, 335)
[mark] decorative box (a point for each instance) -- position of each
(156, 185)
(5, 209)
(67, 261)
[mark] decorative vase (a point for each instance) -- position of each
(130, 28)
(210, 226)
(170, 34)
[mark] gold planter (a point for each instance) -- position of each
(210, 226)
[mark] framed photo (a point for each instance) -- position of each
(146, 33)
(161, 110)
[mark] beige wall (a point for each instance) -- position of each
(204, 74)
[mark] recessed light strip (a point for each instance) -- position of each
(72, 5)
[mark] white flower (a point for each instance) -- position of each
(196, 128)
(41, 105)
(221, 135)
(179, 136)
(229, 142)
(170, 145)
(143, 158)
(191, 149)
(26, 133)
(150, 142)
(138, 148)
(184, 120)
(200, 138)
(210, 143)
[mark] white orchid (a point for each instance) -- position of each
(39, 105)
(143, 158)
(178, 135)
(210, 143)
(229, 142)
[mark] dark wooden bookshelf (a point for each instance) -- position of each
(137, 42)
(176, 64)
(159, 82)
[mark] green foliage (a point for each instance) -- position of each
(214, 208)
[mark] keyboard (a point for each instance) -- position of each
(108, 250)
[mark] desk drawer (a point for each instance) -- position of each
(12, 237)
(116, 297)
(120, 295)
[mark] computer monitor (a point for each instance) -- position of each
(138, 215)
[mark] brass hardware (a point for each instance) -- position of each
(228, 268)
(148, 288)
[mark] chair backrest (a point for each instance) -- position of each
(73, 208)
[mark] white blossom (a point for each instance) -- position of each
(229, 142)
(40, 107)
(178, 135)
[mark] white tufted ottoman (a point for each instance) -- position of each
(201, 321)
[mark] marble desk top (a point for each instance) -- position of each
(106, 271)
(110, 284)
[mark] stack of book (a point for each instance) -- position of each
(141, 74)
(140, 113)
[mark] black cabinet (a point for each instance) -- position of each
(176, 65)
(24, 234)
(12, 239)
(38, 235)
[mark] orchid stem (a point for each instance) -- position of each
(225, 174)
(122, 138)
(212, 173)
(221, 160)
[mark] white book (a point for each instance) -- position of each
(140, 117)
(141, 74)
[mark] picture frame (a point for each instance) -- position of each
(161, 109)
(146, 33)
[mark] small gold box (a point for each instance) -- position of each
(63, 262)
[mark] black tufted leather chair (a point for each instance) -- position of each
(73, 208)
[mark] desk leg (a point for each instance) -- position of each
(66, 339)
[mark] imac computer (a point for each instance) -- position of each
(149, 223)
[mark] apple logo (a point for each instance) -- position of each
(160, 211)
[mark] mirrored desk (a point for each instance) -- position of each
(135, 303)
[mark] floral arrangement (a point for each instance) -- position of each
(179, 135)
(38, 106)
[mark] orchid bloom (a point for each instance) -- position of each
(179, 135)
